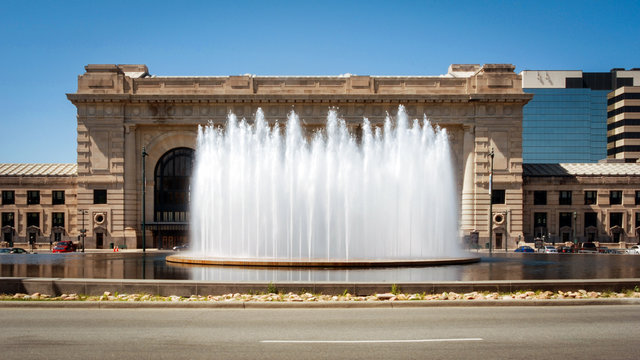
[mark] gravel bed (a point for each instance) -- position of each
(346, 297)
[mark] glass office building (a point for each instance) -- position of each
(565, 126)
(566, 121)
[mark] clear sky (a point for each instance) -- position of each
(46, 44)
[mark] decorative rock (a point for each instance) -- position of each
(385, 296)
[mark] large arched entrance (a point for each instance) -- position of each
(172, 177)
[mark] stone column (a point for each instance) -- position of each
(468, 185)
(130, 188)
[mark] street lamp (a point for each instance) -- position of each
(144, 185)
(491, 154)
(83, 231)
(506, 230)
(575, 216)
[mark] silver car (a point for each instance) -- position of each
(635, 249)
(548, 249)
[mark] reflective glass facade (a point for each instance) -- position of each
(565, 125)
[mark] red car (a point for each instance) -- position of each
(64, 246)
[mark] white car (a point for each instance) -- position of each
(548, 249)
(635, 249)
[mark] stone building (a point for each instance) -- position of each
(38, 203)
(122, 109)
(582, 202)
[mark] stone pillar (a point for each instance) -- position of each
(468, 184)
(130, 188)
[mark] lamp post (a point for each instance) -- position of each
(144, 185)
(506, 230)
(83, 231)
(575, 216)
(491, 154)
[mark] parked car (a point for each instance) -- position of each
(587, 248)
(563, 249)
(13, 251)
(64, 246)
(182, 247)
(524, 249)
(635, 249)
(548, 249)
(617, 251)
(603, 250)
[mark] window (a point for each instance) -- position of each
(615, 219)
(637, 220)
(57, 219)
(33, 197)
(33, 219)
(539, 198)
(540, 219)
(590, 220)
(565, 198)
(7, 219)
(565, 220)
(99, 196)
(57, 197)
(637, 197)
(171, 190)
(615, 197)
(539, 224)
(8, 197)
(590, 197)
(497, 196)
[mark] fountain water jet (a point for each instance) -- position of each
(263, 196)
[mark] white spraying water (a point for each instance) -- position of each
(259, 193)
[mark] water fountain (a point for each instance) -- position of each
(268, 197)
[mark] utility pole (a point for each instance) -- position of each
(491, 154)
(144, 185)
(83, 231)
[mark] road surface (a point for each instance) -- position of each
(585, 332)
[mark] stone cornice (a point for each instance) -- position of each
(300, 98)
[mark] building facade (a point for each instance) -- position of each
(566, 121)
(122, 109)
(623, 124)
(38, 203)
(582, 202)
(137, 132)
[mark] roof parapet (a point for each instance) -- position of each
(462, 79)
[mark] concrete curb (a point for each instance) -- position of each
(308, 305)
(186, 288)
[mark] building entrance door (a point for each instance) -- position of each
(99, 240)
(498, 240)
(8, 237)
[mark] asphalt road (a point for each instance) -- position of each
(584, 332)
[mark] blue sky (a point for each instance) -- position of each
(45, 45)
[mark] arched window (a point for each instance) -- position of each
(171, 191)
